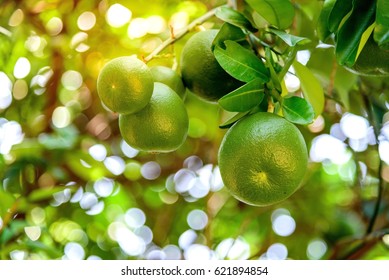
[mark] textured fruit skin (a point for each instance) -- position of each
(162, 126)
(372, 61)
(125, 85)
(200, 70)
(263, 159)
(169, 77)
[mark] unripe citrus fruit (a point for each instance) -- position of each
(169, 77)
(161, 126)
(125, 85)
(263, 159)
(372, 61)
(201, 72)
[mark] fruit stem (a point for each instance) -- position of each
(174, 37)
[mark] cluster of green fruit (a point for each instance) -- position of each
(262, 158)
(152, 114)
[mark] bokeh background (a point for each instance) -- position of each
(70, 188)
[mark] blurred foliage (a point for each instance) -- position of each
(69, 185)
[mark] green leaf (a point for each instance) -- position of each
(241, 63)
(297, 110)
(311, 87)
(228, 32)
(230, 121)
(274, 80)
(289, 39)
(279, 13)
(234, 17)
(340, 9)
(350, 33)
(381, 31)
(323, 21)
(243, 98)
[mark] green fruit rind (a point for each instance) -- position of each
(160, 127)
(263, 159)
(201, 72)
(125, 85)
(169, 77)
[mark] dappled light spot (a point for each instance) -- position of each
(115, 165)
(145, 233)
(61, 197)
(33, 232)
(135, 218)
(54, 26)
(118, 15)
(74, 251)
(98, 152)
(1, 223)
(61, 117)
(156, 24)
(156, 255)
(385, 239)
(216, 180)
(198, 252)
(88, 200)
(16, 18)
(178, 21)
(17, 255)
(138, 28)
(10, 134)
(38, 215)
(86, 21)
(193, 163)
(5, 99)
(316, 249)
(36, 45)
(303, 56)
(93, 258)
(22, 68)
(384, 151)
(326, 146)
(337, 132)
(197, 219)
(292, 83)
(172, 252)
(96, 209)
(104, 187)
(187, 238)
(199, 189)
(318, 125)
(277, 251)
(130, 243)
(233, 249)
(150, 170)
(71, 80)
(77, 196)
(184, 180)
(127, 150)
(385, 173)
(284, 225)
(78, 40)
(278, 212)
(20, 89)
(353, 126)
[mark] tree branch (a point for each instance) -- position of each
(174, 37)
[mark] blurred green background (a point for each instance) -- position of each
(70, 188)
